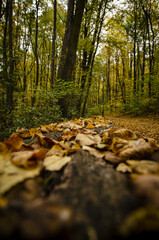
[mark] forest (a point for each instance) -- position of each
(65, 59)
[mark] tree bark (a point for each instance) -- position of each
(53, 57)
(96, 38)
(10, 84)
(68, 55)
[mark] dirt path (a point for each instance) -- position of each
(144, 126)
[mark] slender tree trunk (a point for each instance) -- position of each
(5, 61)
(108, 79)
(96, 38)
(135, 39)
(53, 57)
(36, 43)
(10, 84)
(143, 63)
(68, 55)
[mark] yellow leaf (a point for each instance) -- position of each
(90, 125)
(12, 175)
(55, 163)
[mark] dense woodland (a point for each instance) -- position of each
(65, 59)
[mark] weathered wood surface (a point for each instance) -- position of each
(87, 199)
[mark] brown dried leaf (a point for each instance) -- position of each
(125, 134)
(14, 143)
(28, 159)
(93, 151)
(146, 167)
(122, 167)
(111, 157)
(46, 141)
(85, 139)
(118, 144)
(139, 150)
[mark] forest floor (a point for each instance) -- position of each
(146, 126)
(91, 179)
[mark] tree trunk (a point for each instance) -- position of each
(36, 43)
(143, 62)
(96, 37)
(68, 55)
(5, 60)
(53, 57)
(10, 84)
(134, 50)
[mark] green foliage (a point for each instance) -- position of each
(71, 93)
(142, 106)
(45, 111)
(93, 111)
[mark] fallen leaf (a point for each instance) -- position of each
(90, 125)
(132, 163)
(47, 128)
(139, 150)
(55, 163)
(122, 167)
(69, 124)
(102, 146)
(111, 157)
(88, 131)
(14, 143)
(93, 151)
(5, 157)
(124, 133)
(146, 167)
(46, 141)
(12, 175)
(118, 144)
(56, 150)
(85, 139)
(28, 159)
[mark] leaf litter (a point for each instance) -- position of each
(27, 152)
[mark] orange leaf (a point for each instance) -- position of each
(14, 143)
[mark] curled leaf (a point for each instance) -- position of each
(139, 150)
(94, 151)
(28, 159)
(118, 144)
(85, 139)
(124, 133)
(14, 143)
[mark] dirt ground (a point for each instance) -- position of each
(146, 126)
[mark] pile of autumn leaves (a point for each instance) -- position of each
(122, 148)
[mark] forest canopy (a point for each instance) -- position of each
(65, 59)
